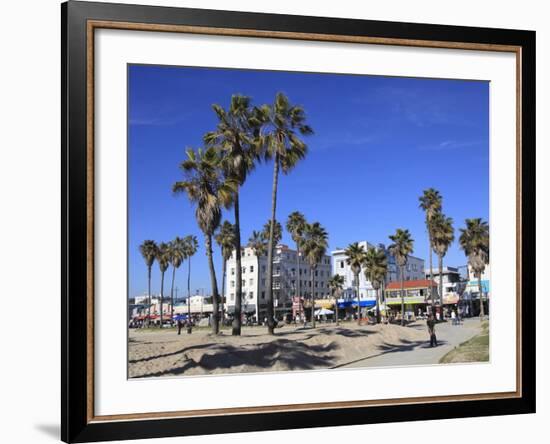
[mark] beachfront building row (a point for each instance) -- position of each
(414, 270)
(286, 275)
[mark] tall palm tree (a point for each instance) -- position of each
(191, 247)
(235, 137)
(163, 259)
(474, 240)
(226, 240)
(209, 190)
(336, 284)
(314, 245)
(430, 203)
(281, 125)
(295, 225)
(401, 248)
(376, 268)
(443, 236)
(355, 257)
(148, 250)
(177, 256)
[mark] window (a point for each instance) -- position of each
(244, 270)
(251, 282)
(232, 284)
(251, 295)
(263, 282)
(341, 264)
(232, 272)
(252, 268)
(263, 294)
(244, 283)
(232, 297)
(263, 268)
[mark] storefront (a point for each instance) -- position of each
(416, 297)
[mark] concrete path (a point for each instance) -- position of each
(420, 352)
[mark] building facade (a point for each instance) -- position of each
(285, 282)
(414, 270)
(453, 284)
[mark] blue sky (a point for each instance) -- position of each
(378, 142)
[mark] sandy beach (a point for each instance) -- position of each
(165, 354)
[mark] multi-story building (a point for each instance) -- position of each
(285, 282)
(471, 292)
(453, 285)
(414, 270)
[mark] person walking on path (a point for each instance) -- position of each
(180, 325)
(431, 330)
(453, 317)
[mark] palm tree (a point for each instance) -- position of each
(177, 256)
(474, 240)
(314, 245)
(443, 236)
(336, 284)
(209, 190)
(258, 243)
(376, 267)
(430, 202)
(163, 259)
(234, 136)
(401, 248)
(295, 225)
(148, 250)
(191, 246)
(355, 257)
(277, 233)
(226, 240)
(281, 125)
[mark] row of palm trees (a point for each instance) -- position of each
(166, 254)
(474, 240)
(374, 264)
(244, 136)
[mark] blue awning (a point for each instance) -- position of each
(363, 304)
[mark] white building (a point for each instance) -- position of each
(453, 286)
(285, 279)
(367, 296)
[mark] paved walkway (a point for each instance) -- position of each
(420, 352)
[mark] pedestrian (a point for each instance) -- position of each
(453, 317)
(180, 325)
(431, 330)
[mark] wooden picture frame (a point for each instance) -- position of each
(79, 22)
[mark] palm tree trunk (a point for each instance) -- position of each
(215, 314)
(189, 290)
(172, 295)
(402, 296)
(149, 295)
(270, 324)
(336, 307)
(358, 299)
(223, 289)
(312, 297)
(481, 307)
(298, 277)
(236, 331)
(378, 305)
(431, 274)
(440, 261)
(161, 296)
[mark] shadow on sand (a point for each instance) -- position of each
(294, 355)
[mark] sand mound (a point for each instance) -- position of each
(164, 353)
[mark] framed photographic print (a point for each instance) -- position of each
(276, 221)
